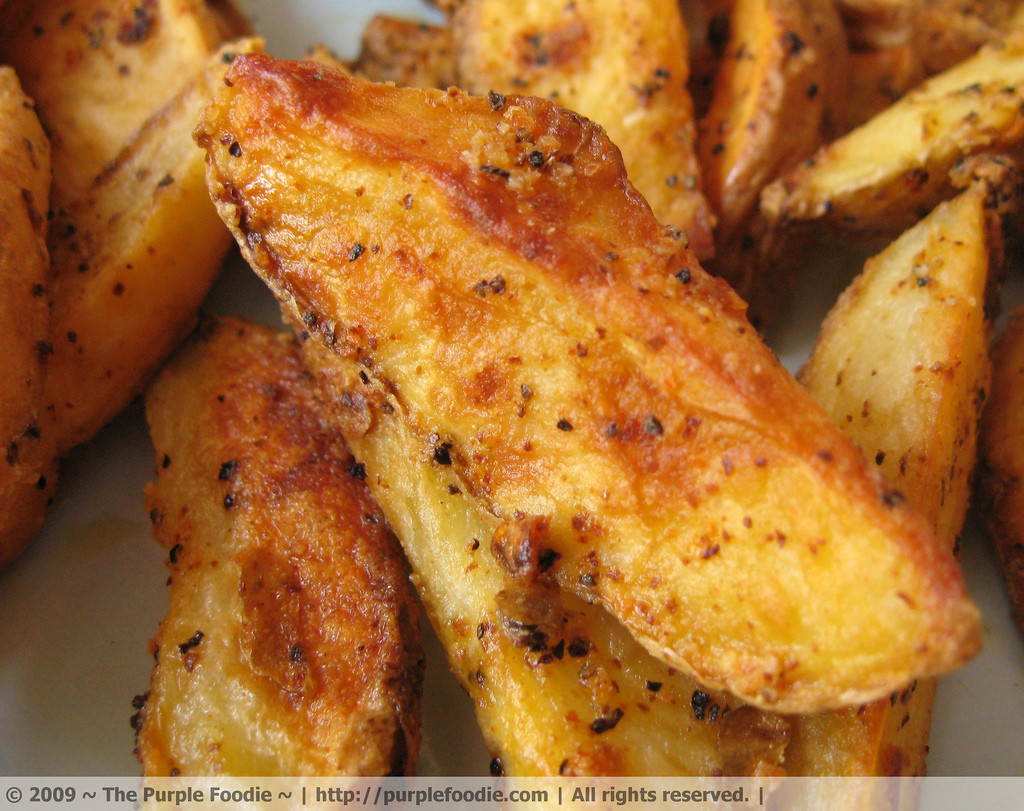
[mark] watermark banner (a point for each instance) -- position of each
(510, 794)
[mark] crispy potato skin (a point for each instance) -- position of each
(901, 363)
(25, 487)
(882, 176)
(548, 339)
(779, 94)
(291, 645)
(622, 64)
(1001, 480)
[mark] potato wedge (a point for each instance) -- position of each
(881, 177)
(779, 94)
(24, 318)
(558, 685)
(132, 262)
(622, 64)
(410, 54)
(291, 645)
(1000, 484)
(901, 363)
(545, 337)
(99, 69)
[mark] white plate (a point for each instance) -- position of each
(78, 608)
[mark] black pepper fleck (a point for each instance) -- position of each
(699, 701)
(607, 722)
(192, 642)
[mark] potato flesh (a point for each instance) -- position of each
(621, 64)
(534, 331)
(901, 363)
(291, 644)
(882, 175)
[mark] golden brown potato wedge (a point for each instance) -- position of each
(24, 318)
(622, 64)
(99, 69)
(408, 53)
(779, 94)
(546, 338)
(291, 645)
(884, 175)
(901, 363)
(1001, 480)
(132, 262)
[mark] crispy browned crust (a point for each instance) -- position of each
(25, 484)
(291, 645)
(1000, 486)
(547, 338)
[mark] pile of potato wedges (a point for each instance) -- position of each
(528, 267)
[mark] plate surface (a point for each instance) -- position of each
(78, 609)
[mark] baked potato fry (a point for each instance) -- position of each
(901, 363)
(25, 488)
(565, 355)
(778, 95)
(98, 70)
(1000, 485)
(291, 645)
(881, 177)
(132, 262)
(622, 64)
